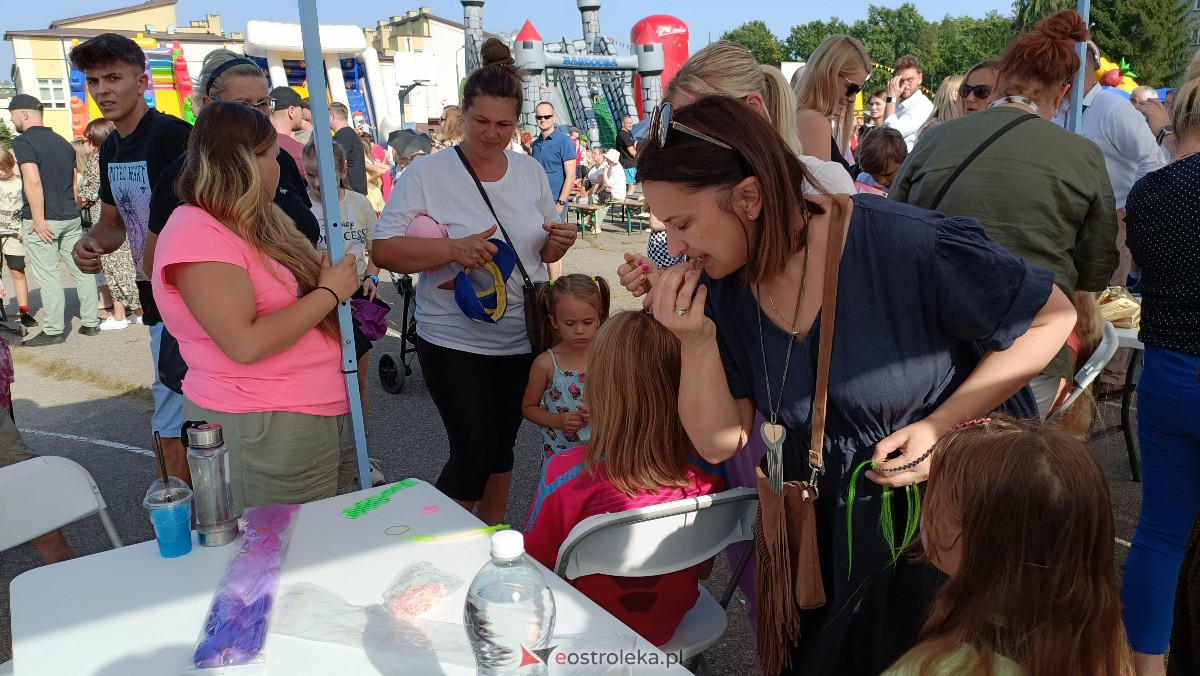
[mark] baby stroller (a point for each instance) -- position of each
(394, 367)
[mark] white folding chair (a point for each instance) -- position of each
(663, 539)
(45, 493)
(1092, 368)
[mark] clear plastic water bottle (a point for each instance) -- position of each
(510, 610)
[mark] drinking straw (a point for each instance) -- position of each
(162, 465)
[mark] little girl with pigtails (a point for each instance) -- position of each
(574, 307)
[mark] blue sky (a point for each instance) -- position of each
(555, 19)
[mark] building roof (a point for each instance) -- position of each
(85, 33)
(401, 20)
(151, 4)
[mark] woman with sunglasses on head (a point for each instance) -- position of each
(233, 78)
(475, 360)
(728, 69)
(975, 92)
(836, 72)
(1039, 190)
(922, 298)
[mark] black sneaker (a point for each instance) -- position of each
(28, 320)
(45, 339)
(89, 330)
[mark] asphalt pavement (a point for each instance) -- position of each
(87, 400)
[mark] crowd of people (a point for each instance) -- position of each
(938, 259)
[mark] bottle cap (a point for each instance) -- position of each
(507, 544)
(208, 434)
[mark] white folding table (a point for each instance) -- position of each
(129, 612)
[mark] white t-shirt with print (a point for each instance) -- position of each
(439, 185)
(358, 225)
(10, 206)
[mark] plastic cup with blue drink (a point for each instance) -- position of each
(170, 507)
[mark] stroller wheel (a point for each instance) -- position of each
(391, 373)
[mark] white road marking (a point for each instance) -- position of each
(89, 440)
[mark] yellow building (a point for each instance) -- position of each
(41, 67)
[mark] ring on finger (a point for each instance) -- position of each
(680, 311)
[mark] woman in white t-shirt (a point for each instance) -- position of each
(476, 370)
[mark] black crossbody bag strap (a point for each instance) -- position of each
(971, 158)
(479, 184)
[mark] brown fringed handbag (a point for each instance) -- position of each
(785, 536)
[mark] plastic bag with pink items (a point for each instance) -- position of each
(418, 587)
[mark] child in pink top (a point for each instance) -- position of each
(251, 303)
(638, 455)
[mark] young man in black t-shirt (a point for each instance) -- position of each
(627, 148)
(144, 142)
(347, 138)
(50, 223)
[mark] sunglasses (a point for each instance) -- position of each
(981, 92)
(266, 106)
(852, 87)
(543, 117)
(661, 126)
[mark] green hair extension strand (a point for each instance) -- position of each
(887, 522)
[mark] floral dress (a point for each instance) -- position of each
(118, 267)
(563, 396)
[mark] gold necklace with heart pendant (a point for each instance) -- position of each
(771, 431)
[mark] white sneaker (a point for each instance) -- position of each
(111, 324)
(136, 319)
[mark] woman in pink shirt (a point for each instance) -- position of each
(263, 359)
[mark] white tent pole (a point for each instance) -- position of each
(314, 65)
(1076, 117)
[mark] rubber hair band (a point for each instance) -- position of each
(388, 530)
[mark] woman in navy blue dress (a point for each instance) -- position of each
(936, 324)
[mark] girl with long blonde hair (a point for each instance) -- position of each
(836, 72)
(638, 455)
(265, 361)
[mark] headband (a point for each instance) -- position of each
(240, 61)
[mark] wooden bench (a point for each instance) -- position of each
(633, 209)
(581, 210)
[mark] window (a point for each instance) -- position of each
(53, 93)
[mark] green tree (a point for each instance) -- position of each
(891, 33)
(802, 41)
(957, 43)
(1151, 35)
(6, 134)
(1026, 13)
(762, 43)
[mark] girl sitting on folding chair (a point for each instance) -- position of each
(638, 456)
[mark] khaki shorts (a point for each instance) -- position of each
(279, 457)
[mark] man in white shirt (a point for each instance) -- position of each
(1129, 147)
(905, 108)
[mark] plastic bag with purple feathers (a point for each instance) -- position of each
(236, 627)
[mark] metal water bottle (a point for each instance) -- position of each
(208, 459)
